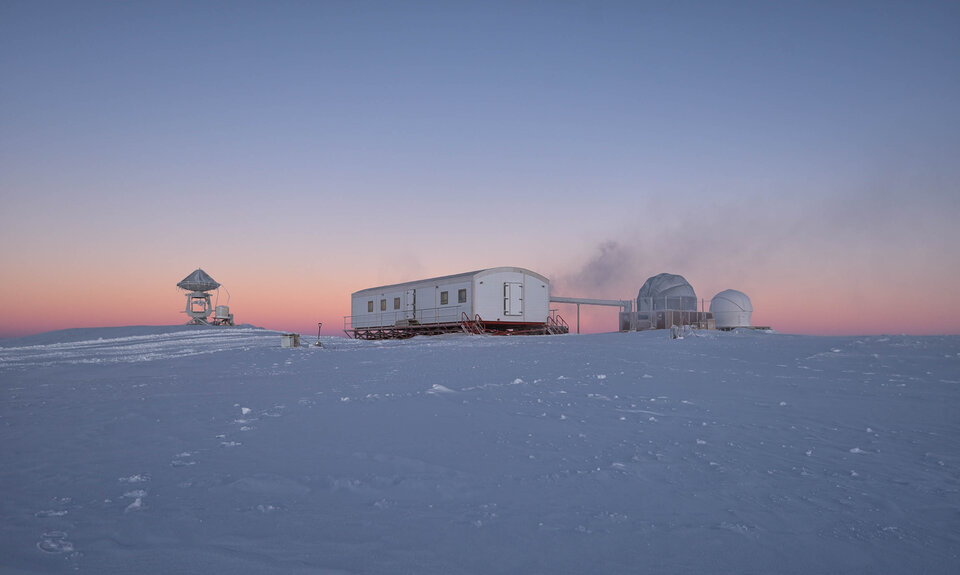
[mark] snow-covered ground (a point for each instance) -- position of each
(197, 450)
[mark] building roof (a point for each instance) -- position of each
(446, 279)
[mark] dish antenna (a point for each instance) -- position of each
(198, 285)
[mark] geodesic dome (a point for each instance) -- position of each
(666, 291)
(731, 308)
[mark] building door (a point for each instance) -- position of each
(410, 304)
(512, 298)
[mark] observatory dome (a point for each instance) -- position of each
(666, 291)
(731, 308)
(199, 280)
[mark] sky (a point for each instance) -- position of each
(804, 153)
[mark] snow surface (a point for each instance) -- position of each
(198, 450)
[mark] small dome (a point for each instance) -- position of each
(731, 308)
(666, 291)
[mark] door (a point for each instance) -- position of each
(512, 298)
(410, 304)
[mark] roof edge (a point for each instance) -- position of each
(475, 273)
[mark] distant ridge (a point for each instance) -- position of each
(75, 334)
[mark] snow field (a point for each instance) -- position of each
(617, 453)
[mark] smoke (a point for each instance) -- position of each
(720, 244)
(856, 236)
(611, 268)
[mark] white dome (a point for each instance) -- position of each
(731, 308)
(666, 291)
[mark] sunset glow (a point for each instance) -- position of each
(803, 153)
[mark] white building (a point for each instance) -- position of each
(731, 308)
(504, 299)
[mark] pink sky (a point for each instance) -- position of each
(41, 303)
(805, 154)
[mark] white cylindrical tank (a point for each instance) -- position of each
(223, 311)
(731, 308)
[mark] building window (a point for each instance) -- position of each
(462, 296)
(396, 303)
(444, 298)
(383, 305)
(370, 306)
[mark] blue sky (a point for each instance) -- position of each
(773, 147)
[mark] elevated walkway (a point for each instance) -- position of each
(625, 305)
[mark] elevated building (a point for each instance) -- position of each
(504, 300)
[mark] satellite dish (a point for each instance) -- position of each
(197, 284)
(200, 281)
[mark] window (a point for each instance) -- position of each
(462, 296)
(383, 305)
(370, 306)
(444, 298)
(396, 303)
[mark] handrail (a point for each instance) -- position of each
(474, 326)
(556, 324)
(465, 324)
(442, 314)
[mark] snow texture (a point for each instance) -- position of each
(204, 450)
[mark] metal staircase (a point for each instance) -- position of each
(474, 326)
(556, 325)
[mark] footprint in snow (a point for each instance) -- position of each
(137, 504)
(183, 460)
(50, 513)
(437, 388)
(55, 542)
(137, 478)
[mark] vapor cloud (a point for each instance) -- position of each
(613, 266)
(809, 240)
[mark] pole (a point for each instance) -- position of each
(578, 319)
